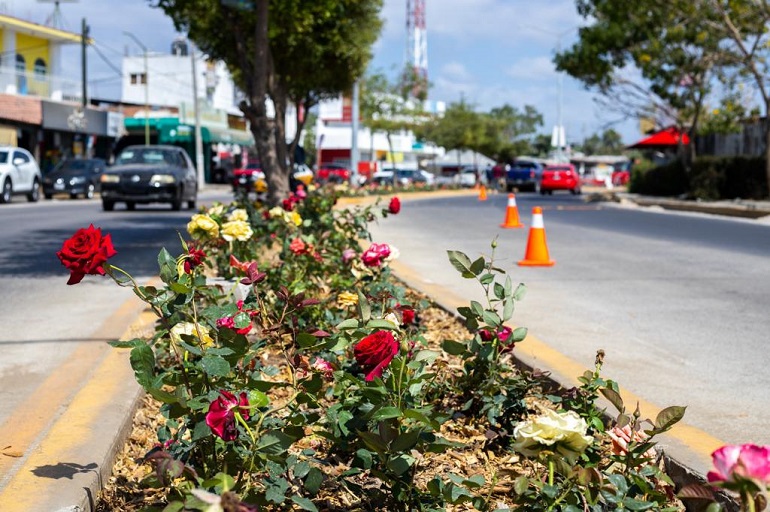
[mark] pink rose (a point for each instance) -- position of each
(222, 411)
(733, 463)
(375, 352)
(375, 254)
(621, 437)
(347, 255)
(297, 246)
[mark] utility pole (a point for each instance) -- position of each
(83, 45)
(198, 139)
(354, 142)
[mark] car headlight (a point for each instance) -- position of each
(110, 178)
(162, 179)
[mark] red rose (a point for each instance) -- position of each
(395, 206)
(86, 253)
(407, 314)
(485, 335)
(194, 258)
(221, 415)
(375, 254)
(375, 352)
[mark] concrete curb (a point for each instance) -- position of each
(65, 469)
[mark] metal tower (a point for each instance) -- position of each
(417, 42)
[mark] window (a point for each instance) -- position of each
(19, 154)
(21, 74)
(40, 69)
(138, 78)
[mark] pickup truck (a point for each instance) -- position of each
(522, 175)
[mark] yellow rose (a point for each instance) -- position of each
(238, 214)
(296, 218)
(217, 209)
(559, 432)
(190, 329)
(236, 230)
(276, 212)
(346, 299)
(202, 226)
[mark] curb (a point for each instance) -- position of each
(65, 467)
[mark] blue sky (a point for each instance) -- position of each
(490, 52)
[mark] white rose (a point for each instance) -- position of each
(236, 230)
(561, 432)
(190, 329)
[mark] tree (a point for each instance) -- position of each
(510, 131)
(387, 107)
(608, 143)
(301, 51)
(667, 41)
(461, 128)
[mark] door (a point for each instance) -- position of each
(23, 169)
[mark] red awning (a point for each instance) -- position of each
(664, 138)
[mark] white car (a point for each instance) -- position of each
(19, 174)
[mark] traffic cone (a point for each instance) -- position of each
(537, 250)
(511, 214)
(483, 193)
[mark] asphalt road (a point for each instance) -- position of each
(45, 323)
(679, 302)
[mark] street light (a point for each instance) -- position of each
(146, 89)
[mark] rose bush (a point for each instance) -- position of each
(320, 379)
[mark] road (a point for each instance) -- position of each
(679, 302)
(47, 325)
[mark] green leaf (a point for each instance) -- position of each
(668, 417)
(520, 291)
(477, 308)
(381, 324)
(386, 413)
(274, 442)
(215, 366)
(614, 398)
(276, 491)
(300, 469)
(462, 263)
(633, 504)
(406, 441)
(491, 318)
(350, 323)
(127, 344)
(478, 266)
(507, 309)
(143, 362)
(306, 340)
(499, 291)
(452, 347)
(364, 309)
(314, 480)
(474, 482)
(373, 441)
(519, 334)
(401, 464)
(201, 430)
(363, 459)
(487, 279)
(304, 503)
(258, 398)
(521, 485)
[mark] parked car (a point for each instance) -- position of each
(558, 177)
(468, 177)
(150, 174)
(333, 173)
(19, 174)
(249, 179)
(621, 173)
(522, 174)
(403, 177)
(74, 177)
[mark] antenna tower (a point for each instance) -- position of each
(417, 44)
(55, 20)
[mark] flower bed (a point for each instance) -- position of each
(329, 385)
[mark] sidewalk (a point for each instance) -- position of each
(69, 457)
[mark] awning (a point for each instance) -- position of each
(664, 138)
(230, 136)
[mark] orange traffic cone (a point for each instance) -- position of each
(511, 214)
(483, 193)
(537, 250)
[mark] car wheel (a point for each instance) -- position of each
(130, 206)
(34, 194)
(7, 192)
(191, 204)
(176, 203)
(90, 191)
(576, 191)
(108, 206)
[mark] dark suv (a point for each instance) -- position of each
(522, 175)
(150, 174)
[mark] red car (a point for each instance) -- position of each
(558, 177)
(333, 173)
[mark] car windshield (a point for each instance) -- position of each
(153, 156)
(73, 167)
(558, 169)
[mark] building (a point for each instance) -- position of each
(334, 136)
(159, 101)
(40, 110)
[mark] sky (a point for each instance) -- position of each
(487, 52)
